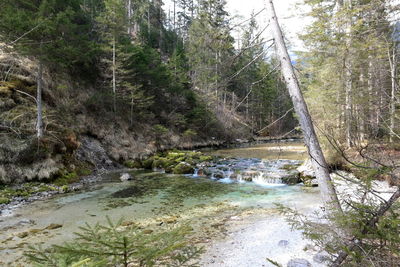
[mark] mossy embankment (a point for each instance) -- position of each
(69, 179)
(79, 129)
(175, 161)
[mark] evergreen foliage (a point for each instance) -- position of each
(350, 44)
(119, 244)
(58, 33)
(146, 66)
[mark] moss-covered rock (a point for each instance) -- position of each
(171, 161)
(291, 179)
(205, 158)
(4, 200)
(133, 164)
(158, 163)
(183, 168)
(148, 163)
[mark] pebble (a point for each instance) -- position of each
(321, 257)
(299, 263)
(283, 243)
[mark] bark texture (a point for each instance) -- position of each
(314, 149)
(39, 120)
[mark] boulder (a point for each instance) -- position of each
(306, 169)
(307, 174)
(125, 177)
(183, 168)
(290, 178)
(310, 182)
(218, 175)
(321, 257)
(299, 263)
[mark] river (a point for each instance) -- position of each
(235, 220)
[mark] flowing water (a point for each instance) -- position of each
(241, 187)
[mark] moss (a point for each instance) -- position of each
(158, 163)
(175, 154)
(64, 189)
(171, 161)
(205, 158)
(290, 167)
(148, 163)
(4, 200)
(180, 159)
(193, 154)
(133, 164)
(65, 178)
(83, 171)
(183, 168)
(7, 193)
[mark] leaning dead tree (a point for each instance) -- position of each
(328, 192)
(321, 169)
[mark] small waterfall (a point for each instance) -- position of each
(196, 172)
(266, 173)
(264, 179)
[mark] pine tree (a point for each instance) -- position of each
(346, 58)
(209, 48)
(114, 244)
(54, 33)
(113, 23)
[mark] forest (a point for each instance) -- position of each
(110, 107)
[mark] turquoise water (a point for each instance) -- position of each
(154, 200)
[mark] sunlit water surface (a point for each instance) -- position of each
(155, 200)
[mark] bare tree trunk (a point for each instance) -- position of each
(349, 103)
(174, 15)
(148, 22)
(348, 79)
(39, 121)
(370, 97)
(360, 129)
(114, 83)
(160, 40)
(129, 8)
(393, 72)
(328, 192)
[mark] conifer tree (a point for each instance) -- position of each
(113, 24)
(54, 33)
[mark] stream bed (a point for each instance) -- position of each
(235, 220)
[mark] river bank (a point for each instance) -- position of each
(149, 198)
(22, 194)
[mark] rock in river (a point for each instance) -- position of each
(125, 177)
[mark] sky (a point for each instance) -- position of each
(289, 17)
